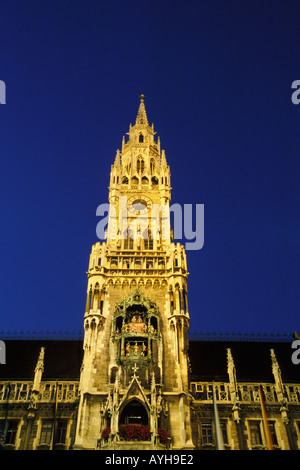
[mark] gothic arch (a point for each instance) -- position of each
(134, 411)
(152, 166)
(113, 374)
(140, 164)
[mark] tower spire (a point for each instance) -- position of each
(39, 369)
(142, 116)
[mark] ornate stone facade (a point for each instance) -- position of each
(136, 321)
(135, 381)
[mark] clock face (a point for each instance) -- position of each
(141, 205)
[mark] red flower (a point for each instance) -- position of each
(130, 432)
(105, 433)
(163, 435)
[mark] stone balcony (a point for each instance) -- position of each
(247, 392)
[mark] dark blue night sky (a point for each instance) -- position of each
(217, 82)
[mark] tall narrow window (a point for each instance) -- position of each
(224, 432)
(46, 433)
(206, 431)
(11, 432)
(61, 432)
(141, 138)
(140, 165)
(152, 166)
(128, 243)
(273, 432)
(148, 243)
(255, 433)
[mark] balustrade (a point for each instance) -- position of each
(246, 392)
(21, 391)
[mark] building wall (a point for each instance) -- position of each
(130, 270)
(30, 415)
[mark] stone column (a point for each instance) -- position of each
(88, 300)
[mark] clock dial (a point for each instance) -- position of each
(141, 205)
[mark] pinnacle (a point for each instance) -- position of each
(142, 116)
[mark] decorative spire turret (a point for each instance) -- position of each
(39, 369)
(142, 116)
(118, 159)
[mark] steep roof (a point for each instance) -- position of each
(208, 359)
(63, 359)
(252, 361)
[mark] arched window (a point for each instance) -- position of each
(125, 180)
(113, 375)
(134, 413)
(141, 138)
(134, 181)
(140, 165)
(152, 166)
(148, 240)
(128, 241)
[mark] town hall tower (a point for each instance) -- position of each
(135, 368)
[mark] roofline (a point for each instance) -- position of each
(193, 336)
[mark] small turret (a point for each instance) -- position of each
(142, 115)
(38, 372)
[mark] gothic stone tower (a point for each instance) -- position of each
(135, 366)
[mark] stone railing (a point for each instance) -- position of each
(20, 391)
(66, 391)
(202, 391)
(15, 391)
(246, 392)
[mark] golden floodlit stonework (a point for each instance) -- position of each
(135, 366)
(137, 379)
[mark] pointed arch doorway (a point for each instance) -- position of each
(134, 413)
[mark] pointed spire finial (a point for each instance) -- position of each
(38, 372)
(142, 116)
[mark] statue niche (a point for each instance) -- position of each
(136, 331)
